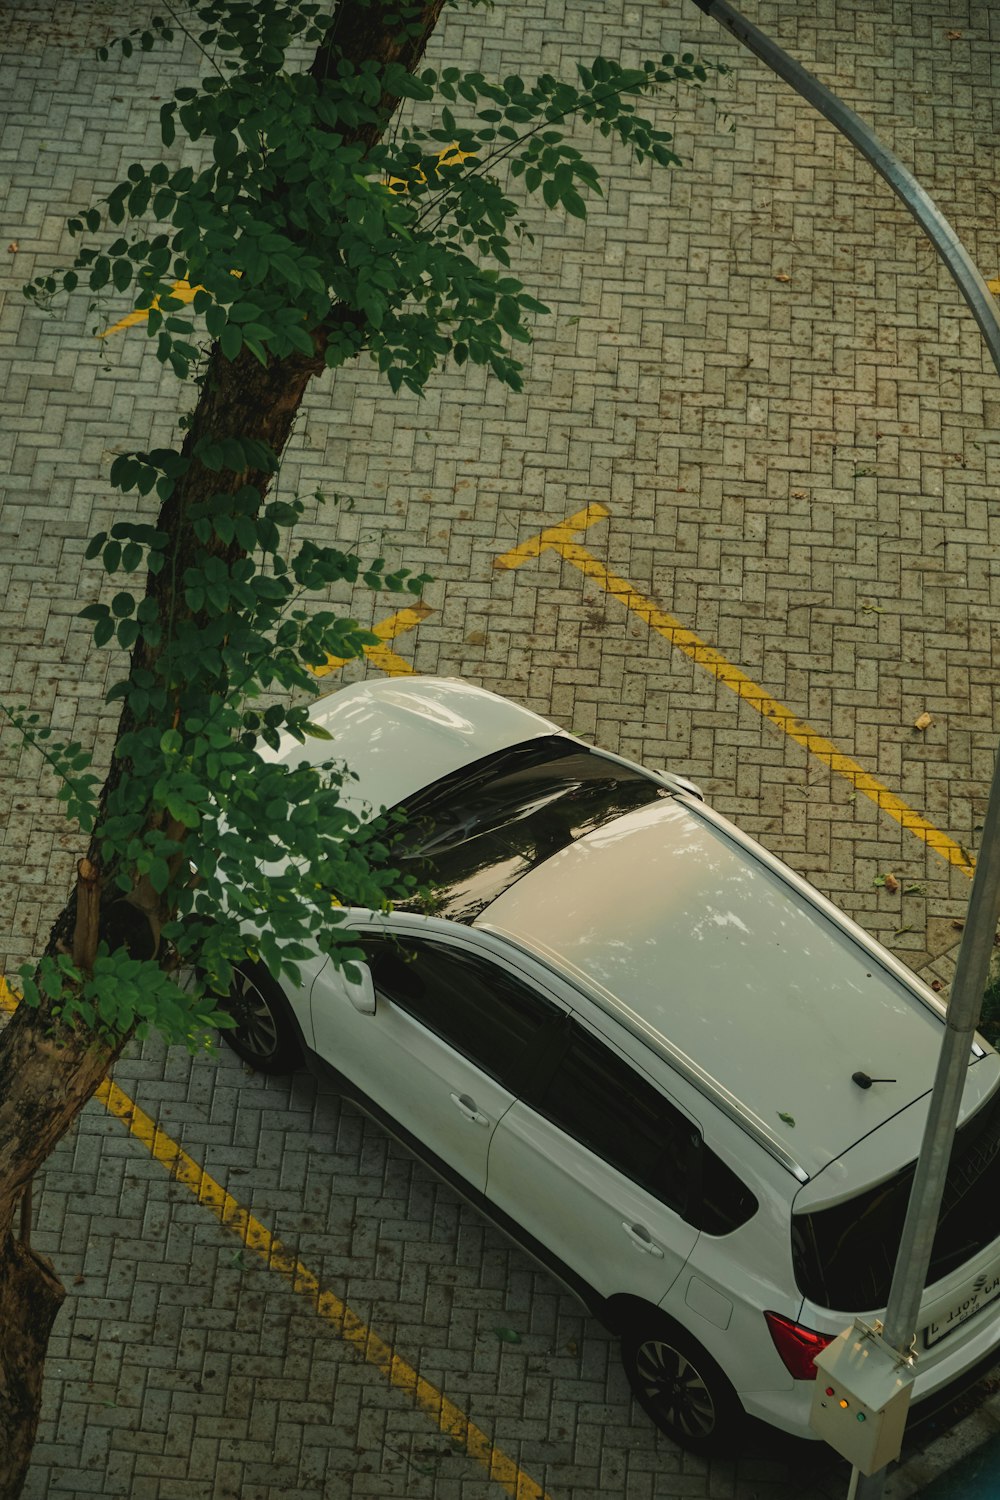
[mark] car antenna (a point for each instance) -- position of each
(864, 1082)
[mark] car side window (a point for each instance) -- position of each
(477, 1007)
(604, 1104)
(597, 1098)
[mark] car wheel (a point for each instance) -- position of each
(680, 1386)
(264, 1034)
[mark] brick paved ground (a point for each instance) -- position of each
(758, 366)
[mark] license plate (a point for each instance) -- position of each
(973, 1302)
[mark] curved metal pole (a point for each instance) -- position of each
(921, 205)
(910, 1275)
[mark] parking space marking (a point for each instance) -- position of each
(381, 656)
(556, 538)
(451, 1420)
(561, 539)
(182, 290)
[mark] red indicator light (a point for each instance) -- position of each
(829, 1390)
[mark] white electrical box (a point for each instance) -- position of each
(862, 1397)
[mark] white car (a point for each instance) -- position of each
(669, 1067)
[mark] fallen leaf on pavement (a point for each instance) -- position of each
(782, 277)
(923, 722)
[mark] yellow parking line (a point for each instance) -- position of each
(381, 656)
(451, 1420)
(182, 290)
(560, 539)
(555, 537)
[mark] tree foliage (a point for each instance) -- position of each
(307, 234)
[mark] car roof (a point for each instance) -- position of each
(401, 734)
(674, 922)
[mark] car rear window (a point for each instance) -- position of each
(844, 1256)
(473, 834)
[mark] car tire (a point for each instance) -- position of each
(264, 1034)
(679, 1385)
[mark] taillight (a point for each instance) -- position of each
(797, 1346)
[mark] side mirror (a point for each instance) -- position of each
(362, 993)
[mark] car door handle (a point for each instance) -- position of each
(640, 1237)
(467, 1106)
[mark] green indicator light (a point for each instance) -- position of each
(861, 1416)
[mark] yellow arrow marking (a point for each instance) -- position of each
(451, 1420)
(560, 539)
(381, 656)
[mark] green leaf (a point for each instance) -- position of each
(210, 454)
(171, 741)
(574, 204)
(215, 319)
(226, 149)
(397, 80)
(184, 811)
(231, 340)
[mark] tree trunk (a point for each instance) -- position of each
(30, 1296)
(49, 1071)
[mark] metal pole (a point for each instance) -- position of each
(972, 968)
(903, 183)
(964, 1006)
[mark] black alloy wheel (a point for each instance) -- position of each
(263, 1035)
(680, 1386)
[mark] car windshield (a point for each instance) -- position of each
(472, 834)
(844, 1255)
